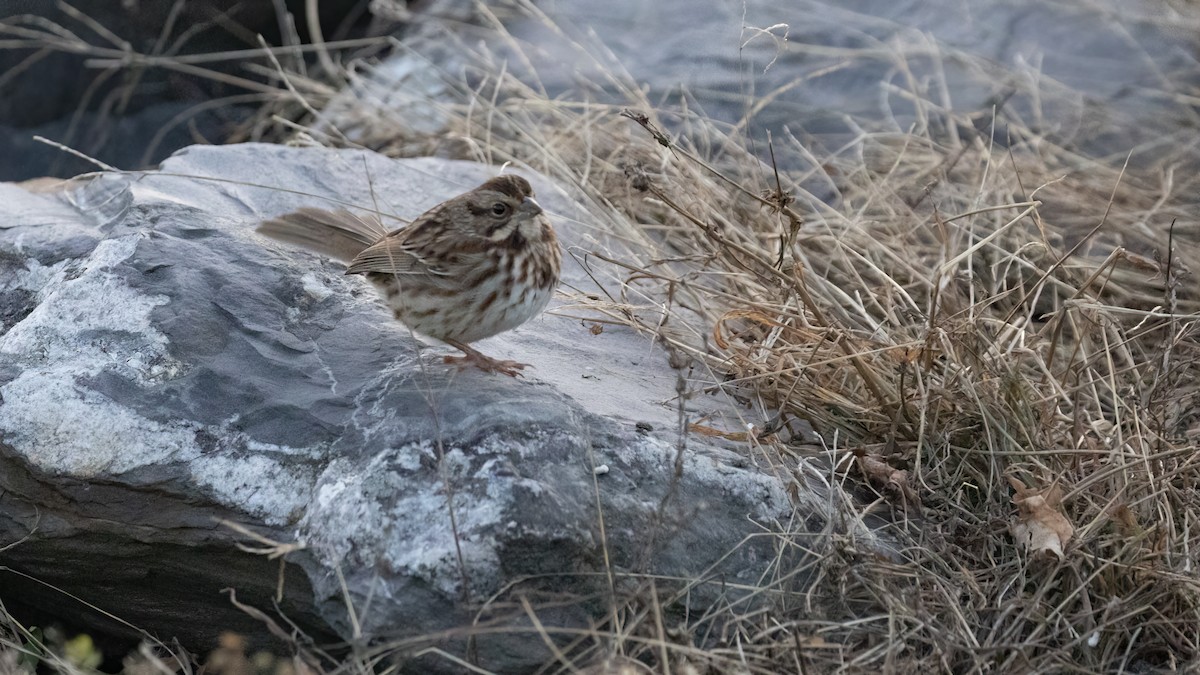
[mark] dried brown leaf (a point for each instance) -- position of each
(889, 480)
(1041, 526)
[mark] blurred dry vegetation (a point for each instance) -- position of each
(994, 340)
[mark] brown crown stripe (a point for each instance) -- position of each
(514, 186)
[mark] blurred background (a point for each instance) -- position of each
(130, 81)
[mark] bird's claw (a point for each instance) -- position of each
(487, 364)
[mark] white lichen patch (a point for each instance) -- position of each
(257, 484)
(426, 544)
(61, 426)
(96, 300)
(410, 532)
(35, 277)
(63, 429)
(314, 286)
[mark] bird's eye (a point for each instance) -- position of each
(500, 209)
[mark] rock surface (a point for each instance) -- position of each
(163, 367)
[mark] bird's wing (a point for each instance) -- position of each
(394, 255)
(430, 246)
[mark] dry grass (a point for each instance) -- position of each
(956, 314)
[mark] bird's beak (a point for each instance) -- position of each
(530, 207)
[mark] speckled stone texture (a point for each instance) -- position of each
(163, 368)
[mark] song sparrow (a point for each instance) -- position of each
(473, 266)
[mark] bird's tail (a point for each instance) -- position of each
(339, 234)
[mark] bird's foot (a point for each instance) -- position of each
(487, 364)
(473, 357)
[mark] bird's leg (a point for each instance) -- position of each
(474, 357)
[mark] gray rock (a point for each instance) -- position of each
(163, 367)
